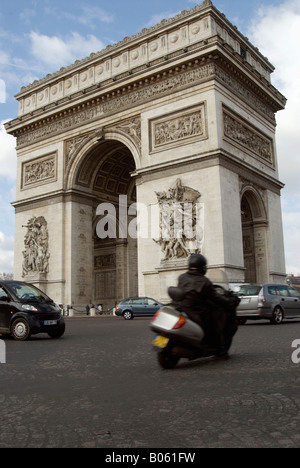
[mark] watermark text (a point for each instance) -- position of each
(296, 354)
(2, 352)
(166, 221)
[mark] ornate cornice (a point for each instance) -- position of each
(139, 92)
(175, 39)
(99, 107)
(110, 49)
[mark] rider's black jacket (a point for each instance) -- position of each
(199, 296)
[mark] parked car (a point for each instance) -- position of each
(235, 287)
(268, 301)
(137, 307)
(25, 310)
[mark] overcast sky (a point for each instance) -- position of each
(38, 37)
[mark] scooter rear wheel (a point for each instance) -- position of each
(166, 360)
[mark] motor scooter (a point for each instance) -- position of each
(177, 336)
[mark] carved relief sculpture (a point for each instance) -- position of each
(236, 130)
(133, 129)
(178, 128)
(181, 225)
(36, 254)
(72, 146)
(181, 127)
(42, 170)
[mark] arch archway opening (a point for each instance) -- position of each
(105, 173)
(254, 224)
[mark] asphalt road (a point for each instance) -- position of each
(101, 386)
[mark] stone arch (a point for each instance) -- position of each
(101, 172)
(81, 146)
(254, 231)
(254, 198)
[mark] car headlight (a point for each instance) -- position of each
(29, 307)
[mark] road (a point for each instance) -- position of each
(101, 386)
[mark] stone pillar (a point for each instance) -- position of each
(121, 270)
(261, 257)
(81, 255)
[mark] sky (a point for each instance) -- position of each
(38, 37)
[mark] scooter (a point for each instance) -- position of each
(177, 336)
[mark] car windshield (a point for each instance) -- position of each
(249, 291)
(28, 293)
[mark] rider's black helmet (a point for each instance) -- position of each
(198, 262)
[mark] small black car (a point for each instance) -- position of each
(25, 310)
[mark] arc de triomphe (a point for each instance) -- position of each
(178, 122)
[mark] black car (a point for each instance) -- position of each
(25, 310)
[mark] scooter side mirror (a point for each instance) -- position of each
(176, 294)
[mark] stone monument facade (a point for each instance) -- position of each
(175, 124)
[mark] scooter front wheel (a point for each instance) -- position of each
(166, 360)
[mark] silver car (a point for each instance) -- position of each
(273, 301)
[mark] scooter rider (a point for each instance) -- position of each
(202, 303)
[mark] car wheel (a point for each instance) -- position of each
(128, 315)
(166, 360)
(20, 329)
(57, 333)
(277, 316)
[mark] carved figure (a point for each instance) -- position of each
(39, 171)
(179, 233)
(248, 138)
(179, 128)
(36, 255)
(132, 128)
